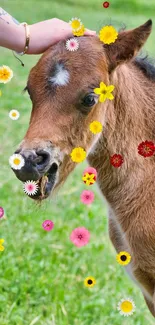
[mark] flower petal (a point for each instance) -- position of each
(103, 86)
(102, 98)
(110, 96)
(110, 88)
(97, 91)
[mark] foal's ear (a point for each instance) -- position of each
(127, 45)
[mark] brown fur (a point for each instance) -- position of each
(127, 121)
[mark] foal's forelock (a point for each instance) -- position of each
(60, 76)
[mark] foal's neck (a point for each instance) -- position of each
(130, 119)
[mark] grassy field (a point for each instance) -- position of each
(42, 274)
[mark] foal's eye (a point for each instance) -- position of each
(89, 100)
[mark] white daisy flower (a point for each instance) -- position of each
(72, 44)
(76, 24)
(14, 114)
(126, 307)
(16, 161)
(30, 187)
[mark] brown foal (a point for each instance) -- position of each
(64, 104)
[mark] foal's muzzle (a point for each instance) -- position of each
(37, 165)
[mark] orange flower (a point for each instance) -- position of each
(5, 74)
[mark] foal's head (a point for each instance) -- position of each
(61, 90)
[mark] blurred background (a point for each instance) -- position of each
(41, 273)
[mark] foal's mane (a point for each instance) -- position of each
(134, 103)
(146, 65)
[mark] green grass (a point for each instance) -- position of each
(41, 274)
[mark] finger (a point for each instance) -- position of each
(90, 32)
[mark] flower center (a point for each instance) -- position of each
(117, 160)
(104, 92)
(108, 34)
(80, 237)
(30, 187)
(14, 114)
(90, 281)
(147, 149)
(5, 73)
(123, 258)
(126, 306)
(16, 161)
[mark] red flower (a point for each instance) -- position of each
(146, 149)
(106, 4)
(116, 160)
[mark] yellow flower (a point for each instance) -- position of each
(104, 92)
(0, 93)
(76, 24)
(126, 307)
(89, 281)
(123, 258)
(95, 127)
(80, 31)
(1, 246)
(5, 74)
(108, 35)
(88, 179)
(78, 154)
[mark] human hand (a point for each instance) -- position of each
(48, 32)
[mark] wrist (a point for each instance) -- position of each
(20, 39)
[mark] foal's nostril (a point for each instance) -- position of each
(28, 155)
(17, 151)
(42, 160)
(54, 168)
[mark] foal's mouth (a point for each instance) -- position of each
(46, 183)
(40, 172)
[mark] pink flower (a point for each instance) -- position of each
(48, 225)
(87, 197)
(1, 212)
(80, 236)
(30, 187)
(72, 44)
(90, 170)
